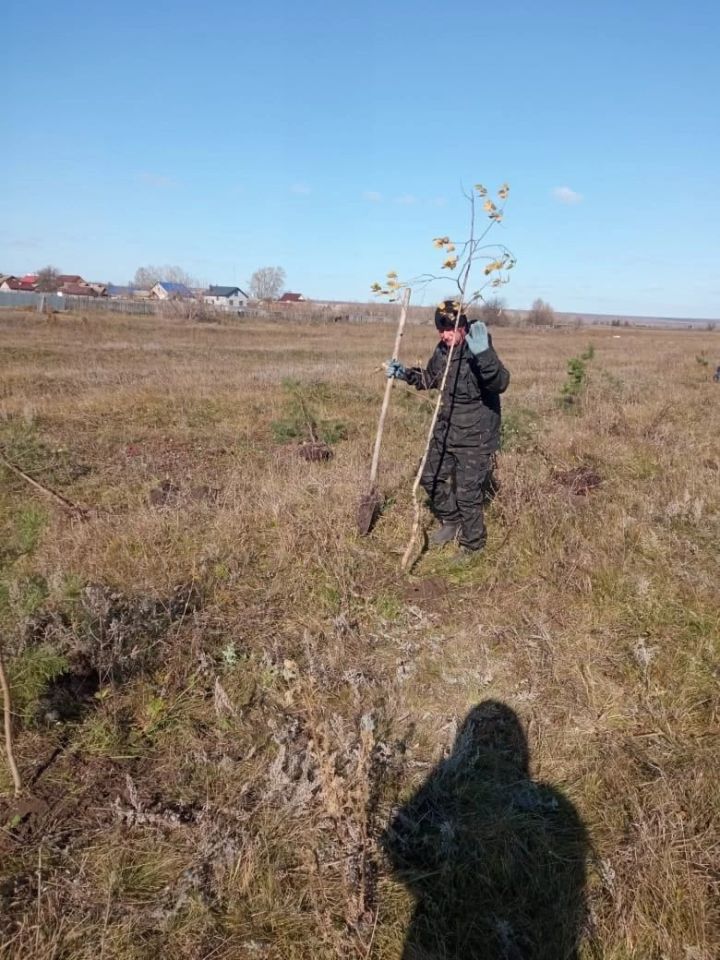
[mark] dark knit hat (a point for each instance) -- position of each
(446, 315)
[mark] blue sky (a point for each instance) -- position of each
(333, 140)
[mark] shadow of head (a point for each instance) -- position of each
(494, 859)
(490, 743)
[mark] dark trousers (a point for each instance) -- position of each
(457, 479)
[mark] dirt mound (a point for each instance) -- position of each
(579, 480)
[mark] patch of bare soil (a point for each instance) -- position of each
(314, 451)
(579, 480)
(168, 494)
(170, 456)
(431, 589)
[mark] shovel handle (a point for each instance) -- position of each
(388, 388)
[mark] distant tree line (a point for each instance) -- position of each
(494, 313)
(146, 277)
(266, 283)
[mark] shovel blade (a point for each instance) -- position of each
(368, 511)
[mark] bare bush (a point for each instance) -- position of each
(493, 313)
(47, 279)
(541, 314)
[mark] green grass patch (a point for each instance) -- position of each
(305, 416)
(518, 429)
(32, 592)
(20, 531)
(23, 445)
(29, 674)
(388, 607)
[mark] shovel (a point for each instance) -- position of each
(369, 506)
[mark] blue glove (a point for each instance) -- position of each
(394, 370)
(477, 338)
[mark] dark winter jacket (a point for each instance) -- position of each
(470, 413)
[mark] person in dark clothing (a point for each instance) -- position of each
(495, 860)
(467, 433)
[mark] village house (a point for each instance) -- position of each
(18, 285)
(126, 293)
(117, 292)
(226, 298)
(165, 290)
(77, 290)
(70, 284)
(291, 298)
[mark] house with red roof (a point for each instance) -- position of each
(18, 285)
(291, 298)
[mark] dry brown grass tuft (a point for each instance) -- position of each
(225, 785)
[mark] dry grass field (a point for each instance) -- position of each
(242, 732)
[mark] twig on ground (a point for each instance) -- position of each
(81, 513)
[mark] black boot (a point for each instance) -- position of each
(445, 533)
(464, 556)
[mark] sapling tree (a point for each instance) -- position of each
(464, 262)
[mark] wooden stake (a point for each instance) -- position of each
(370, 502)
(388, 388)
(7, 710)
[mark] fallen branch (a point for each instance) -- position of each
(7, 710)
(80, 513)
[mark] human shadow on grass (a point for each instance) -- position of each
(495, 860)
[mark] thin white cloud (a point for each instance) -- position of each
(159, 181)
(21, 243)
(372, 196)
(438, 201)
(301, 189)
(567, 195)
(407, 199)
